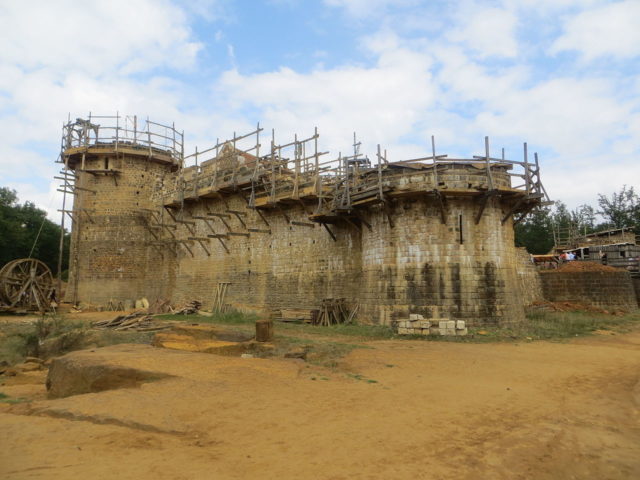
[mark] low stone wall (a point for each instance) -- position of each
(609, 290)
(528, 277)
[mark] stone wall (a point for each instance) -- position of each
(419, 265)
(293, 266)
(608, 290)
(394, 262)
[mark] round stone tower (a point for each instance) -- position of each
(116, 166)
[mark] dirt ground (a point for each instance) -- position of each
(392, 409)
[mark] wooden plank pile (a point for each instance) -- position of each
(138, 321)
(189, 308)
(334, 311)
(295, 315)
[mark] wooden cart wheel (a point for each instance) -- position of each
(26, 283)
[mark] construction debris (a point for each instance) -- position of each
(138, 321)
(160, 306)
(189, 308)
(334, 311)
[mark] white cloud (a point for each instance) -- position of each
(410, 83)
(58, 58)
(487, 31)
(382, 102)
(369, 8)
(99, 38)
(611, 30)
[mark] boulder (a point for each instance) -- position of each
(85, 372)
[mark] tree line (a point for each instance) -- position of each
(620, 209)
(19, 228)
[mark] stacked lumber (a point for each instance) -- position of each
(334, 311)
(295, 315)
(189, 308)
(138, 321)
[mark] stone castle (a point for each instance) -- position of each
(286, 229)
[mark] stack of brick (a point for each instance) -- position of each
(417, 325)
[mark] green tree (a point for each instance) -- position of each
(19, 229)
(622, 209)
(584, 219)
(535, 232)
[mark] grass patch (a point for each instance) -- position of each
(359, 377)
(318, 352)
(559, 325)
(366, 332)
(4, 398)
(233, 317)
(53, 335)
(544, 325)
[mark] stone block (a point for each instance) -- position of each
(425, 324)
(451, 325)
(426, 331)
(402, 331)
(462, 332)
(450, 331)
(415, 316)
(443, 324)
(460, 325)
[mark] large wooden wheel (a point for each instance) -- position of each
(26, 283)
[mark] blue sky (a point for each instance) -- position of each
(559, 74)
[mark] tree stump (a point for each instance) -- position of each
(264, 330)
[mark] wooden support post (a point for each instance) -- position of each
(435, 163)
(303, 224)
(201, 242)
(262, 217)
(380, 192)
(524, 213)
(527, 173)
(442, 204)
(284, 214)
(361, 218)
(487, 157)
(220, 215)
(387, 213)
(351, 222)
(513, 209)
(330, 232)
(184, 244)
(264, 330)
(238, 216)
(483, 204)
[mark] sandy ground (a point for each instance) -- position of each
(396, 409)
